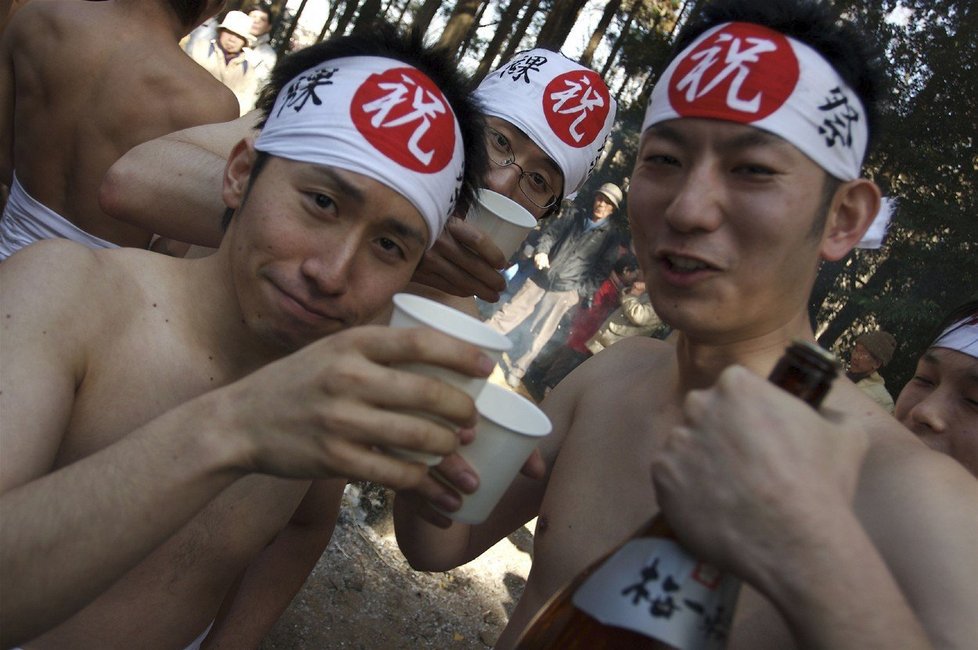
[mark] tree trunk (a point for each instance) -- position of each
(286, 44)
(369, 11)
(559, 23)
(345, 18)
(610, 11)
(616, 48)
(503, 29)
(424, 15)
(400, 16)
(459, 24)
(520, 31)
(467, 43)
(329, 20)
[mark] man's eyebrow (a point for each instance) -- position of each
(405, 231)
(546, 159)
(343, 185)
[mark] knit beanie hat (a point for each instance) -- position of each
(880, 344)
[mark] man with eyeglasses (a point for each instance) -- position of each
(548, 121)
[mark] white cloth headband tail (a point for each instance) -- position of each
(874, 236)
(747, 73)
(562, 106)
(378, 117)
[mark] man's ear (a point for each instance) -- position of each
(852, 211)
(237, 172)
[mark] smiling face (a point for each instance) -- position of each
(316, 249)
(940, 404)
(726, 221)
(506, 141)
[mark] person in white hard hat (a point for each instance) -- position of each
(228, 57)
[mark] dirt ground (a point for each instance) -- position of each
(362, 593)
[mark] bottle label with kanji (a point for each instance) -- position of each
(653, 587)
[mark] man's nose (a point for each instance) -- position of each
(504, 180)
(330, 274)
(697, 201)
(930, 411)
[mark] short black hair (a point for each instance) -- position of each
(848, 48)
(262, 7)
(384, 40)
(625, 262)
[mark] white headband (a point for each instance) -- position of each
(876, 233)
(746, 73)
(563, 107)
(378, 117)
(962, 336)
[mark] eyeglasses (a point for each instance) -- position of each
(533, 184)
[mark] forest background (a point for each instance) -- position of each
(926, 159)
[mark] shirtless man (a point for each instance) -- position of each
(539, 157)
(81, 83)
(848, 532)
(177, 433)
(940, 402)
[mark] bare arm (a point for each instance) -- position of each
(432, 542)
(276, 576)
(69, 534)
(172, 185)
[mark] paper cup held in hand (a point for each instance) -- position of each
(510, 427)
(415, 311)
(505, 221)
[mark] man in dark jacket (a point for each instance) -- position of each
(574, 255)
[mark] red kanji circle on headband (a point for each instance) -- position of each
(404, 115)
(741, 73)
(576, 104)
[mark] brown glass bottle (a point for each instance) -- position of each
(806, 371)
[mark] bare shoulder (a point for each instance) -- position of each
(919, 508)
(60, 279)
(195, 96)
(605, 378)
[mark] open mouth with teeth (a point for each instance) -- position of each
(685, 264)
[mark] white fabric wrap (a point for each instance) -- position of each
(746, 73)
(378, 117)
(962, 336)
(562, 106)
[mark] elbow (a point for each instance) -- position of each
(112, 195)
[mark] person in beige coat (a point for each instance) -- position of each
(634, 317)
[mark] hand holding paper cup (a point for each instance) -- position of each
(510, 427)
(505, 221)
(415, 311)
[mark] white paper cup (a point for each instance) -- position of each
(415, 311)
(510, 427)
(505, 221)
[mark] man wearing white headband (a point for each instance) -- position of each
(548, 119)
(846, 531)
(177, 433)
(940, 402)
